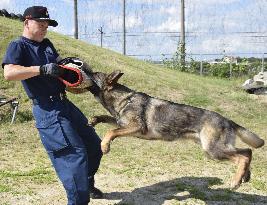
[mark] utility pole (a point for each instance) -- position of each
(75, 20)
(124, 27)
(182, 38)
(101, 35)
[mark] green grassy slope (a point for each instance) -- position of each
(221, 95)
(17, 142)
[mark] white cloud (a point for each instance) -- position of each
(133, 21)
(171, 24)
(147, 1)
(228, 44)
(212, 2)
(168, 10)
(69, 2)
(5, 3)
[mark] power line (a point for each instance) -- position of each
(153, 26)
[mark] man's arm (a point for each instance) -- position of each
(17, 72)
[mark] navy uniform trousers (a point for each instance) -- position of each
(71, 143)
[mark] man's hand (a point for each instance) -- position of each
(51, 69)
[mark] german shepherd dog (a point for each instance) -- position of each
(146, 117)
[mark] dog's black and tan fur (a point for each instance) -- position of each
(138, 114)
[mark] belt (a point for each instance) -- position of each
(49, 99)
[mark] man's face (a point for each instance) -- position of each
(36, 29)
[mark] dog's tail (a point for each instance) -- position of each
(248, 137)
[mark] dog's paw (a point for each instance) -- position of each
(246, 177)
(105, 147)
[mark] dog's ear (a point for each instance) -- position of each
(113, 77)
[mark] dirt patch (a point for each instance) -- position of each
(164, 189)
(135, 172)
(260, 98)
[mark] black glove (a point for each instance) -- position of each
(52, 69)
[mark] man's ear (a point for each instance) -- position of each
(114, 77)
(26, 22)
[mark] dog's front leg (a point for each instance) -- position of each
(119, 132)
(104, 119)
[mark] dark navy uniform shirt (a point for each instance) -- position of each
(26, 52)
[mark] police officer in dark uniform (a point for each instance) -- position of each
(71, 143)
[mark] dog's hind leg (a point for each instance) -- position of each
(103, 119)
(215, 146)
(112, 134)
(242, 158)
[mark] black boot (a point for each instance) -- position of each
(95, 193)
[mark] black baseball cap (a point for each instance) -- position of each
(39, 13)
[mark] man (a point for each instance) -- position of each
(71, 143)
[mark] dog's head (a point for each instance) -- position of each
(105, 82)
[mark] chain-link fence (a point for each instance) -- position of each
(220, 65)
(153, 26)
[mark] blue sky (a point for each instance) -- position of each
(233, 27)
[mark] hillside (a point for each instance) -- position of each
(135, 170)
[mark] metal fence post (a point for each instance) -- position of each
(231, 69)
(201, 66)
(262, 63)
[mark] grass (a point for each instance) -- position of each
(37, 175)
(135, 169)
